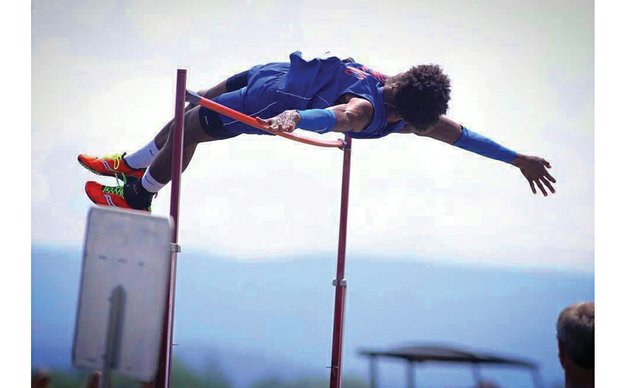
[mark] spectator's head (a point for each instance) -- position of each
(40, 379)
(575, 334)
(93, 380)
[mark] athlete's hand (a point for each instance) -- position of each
(284, 122)
(534, 169)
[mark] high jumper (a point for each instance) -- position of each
(320, 95)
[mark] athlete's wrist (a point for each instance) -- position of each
(519, 160)
(295, 116)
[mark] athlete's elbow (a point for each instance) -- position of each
(356, 122)
(346, 126)
(417, 133)
(355, 129)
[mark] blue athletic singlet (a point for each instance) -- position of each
(315, 84)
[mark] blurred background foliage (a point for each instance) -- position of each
(182, 377)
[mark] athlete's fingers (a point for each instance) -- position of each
(263, 122)
(541, 187)
(548, 176)
(549, 186)
(532, 186)
(269, 123)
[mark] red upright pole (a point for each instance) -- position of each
(340, 282)
(162, 379)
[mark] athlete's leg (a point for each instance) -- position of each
(193, 134)
(162, 136)
(201, 125)
(137, 193)
(233, 83)
(143, 157)
(134, 164)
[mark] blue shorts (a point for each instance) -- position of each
(240, 100)
(257, 98)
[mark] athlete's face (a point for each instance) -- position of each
(392, 111)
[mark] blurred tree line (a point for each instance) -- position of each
(182, 377)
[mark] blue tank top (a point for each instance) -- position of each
(319, 83)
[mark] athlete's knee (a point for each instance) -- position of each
(191, 127)
(212, 125)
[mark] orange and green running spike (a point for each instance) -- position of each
(110, 165)
(108, 195)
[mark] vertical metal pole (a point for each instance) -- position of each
(373, 372)
(537, 378)
(410, 375)
(340, 282)
(113, 336)
(475, 368)
(162, 380)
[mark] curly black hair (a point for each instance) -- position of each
(422, 95)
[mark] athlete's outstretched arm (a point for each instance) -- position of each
(533, 168)
(354, 116)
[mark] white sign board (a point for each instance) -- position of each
(130, 251)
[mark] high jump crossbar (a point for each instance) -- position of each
(195, 98)
(162, 379)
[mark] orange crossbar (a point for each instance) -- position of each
(253, 122)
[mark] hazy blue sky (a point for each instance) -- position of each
(522, 73)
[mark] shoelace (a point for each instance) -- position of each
(123, 178)
(116, 158)
(118, 190)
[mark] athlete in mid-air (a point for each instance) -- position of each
(320, 95)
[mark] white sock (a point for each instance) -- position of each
(143, 157)
(149, 183)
